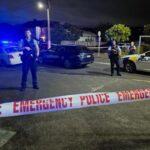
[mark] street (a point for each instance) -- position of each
(74, 75)
(121, 126)
(58, 81)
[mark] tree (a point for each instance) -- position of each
(72, 32)
(118, 32)
(65, 32)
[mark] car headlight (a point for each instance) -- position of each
(81, 55)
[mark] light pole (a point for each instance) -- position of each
(41, 6)
(99, 42)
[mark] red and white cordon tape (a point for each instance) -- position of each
(26, 107)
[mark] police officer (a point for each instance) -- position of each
(114, 53)
(132, 48)
(29, 59)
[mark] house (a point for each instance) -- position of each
(87, 39)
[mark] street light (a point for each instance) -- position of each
(99, 42)
(41, 5)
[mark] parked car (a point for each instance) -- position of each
(10, 55)
(131, 63)
(68, 56)
(124, 45)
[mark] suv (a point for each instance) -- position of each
(68, 56)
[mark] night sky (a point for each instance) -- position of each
(86, 13)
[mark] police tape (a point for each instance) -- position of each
(27, 107)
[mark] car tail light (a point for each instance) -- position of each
(10, 56)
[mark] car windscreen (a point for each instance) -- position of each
(83, 49)
(76, 49)
(12, 49)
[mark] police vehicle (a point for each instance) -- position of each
(131, 63)
(9, 54)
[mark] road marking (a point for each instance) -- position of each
(102, 63)
(5, 136)
(95, 89)
(147, 69)
(108, 85)
(141, 80)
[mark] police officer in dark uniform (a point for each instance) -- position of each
(29, 59)
(132, 48)
(114, 53)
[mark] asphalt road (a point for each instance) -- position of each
(56, 81)
(123, 126)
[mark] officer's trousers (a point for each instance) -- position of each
(26, 66)
(114, 62)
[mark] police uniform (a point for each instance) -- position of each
(29, 61)
(132, 50)
(114, 54)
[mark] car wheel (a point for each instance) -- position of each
(84, 66)
(67, 64)
(130, 67)
(40, 60)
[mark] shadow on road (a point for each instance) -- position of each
(9, 88)
(98, 73)
(61, 67)
(76, 71)
(143, 73)
(137, 72)
(88, 73)
(73, 71)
